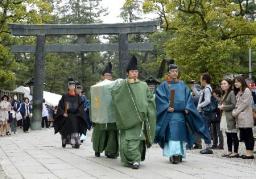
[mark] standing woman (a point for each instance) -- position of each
(15, 106)
(5, 106)
(244, 116)
(228, 122)
(25, 110)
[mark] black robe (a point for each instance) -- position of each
(76, 120)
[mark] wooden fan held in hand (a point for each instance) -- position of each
(66, 107)
(171, 104)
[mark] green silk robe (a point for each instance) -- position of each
(135, 113)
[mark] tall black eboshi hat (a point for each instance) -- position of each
(132, 65)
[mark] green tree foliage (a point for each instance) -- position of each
(17, 11)
(58, 67)
(131, 11)
(83, 67)
(78, 11)
(207, 35)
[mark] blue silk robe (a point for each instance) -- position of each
(173, 127)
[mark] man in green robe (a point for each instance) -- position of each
(135, 113)
(105, 134)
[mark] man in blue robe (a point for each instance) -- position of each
(178, 120)
(86, 107)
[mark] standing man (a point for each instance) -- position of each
(70, 119)
(105, 134)
(177, 118)
(134, 109)
(204, 106)
(45, 115)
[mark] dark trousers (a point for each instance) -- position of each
(217, 135)
(207, 121)
(198, 141)
(14, 125)
(26, 124)
(246, 135)
(45, 120)
(19, 123)
(232, 140)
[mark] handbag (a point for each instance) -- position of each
(18, 116)
(213, 106)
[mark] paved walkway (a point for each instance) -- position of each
(38, 154)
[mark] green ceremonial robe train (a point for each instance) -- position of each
(105, 138)
(135, 113)
(105, 134)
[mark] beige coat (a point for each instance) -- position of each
(228, 106)
(243, 109)
(5, 106)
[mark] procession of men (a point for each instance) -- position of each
(127, 116)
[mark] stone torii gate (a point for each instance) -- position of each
(41, 31)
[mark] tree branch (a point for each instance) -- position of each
(243, 34)
(18, 2)
(242, 13)
(5, 31)
(165, 18)
(204, 23)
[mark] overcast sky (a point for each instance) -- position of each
(114, 7)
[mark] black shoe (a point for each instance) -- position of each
(135, 165)
(97, 154)
(206, 151)
(112, 156)
(226, 155)
(76, 146)
(197, 146)
(63, 144)
(247, 157)
(174, 159)
(234, 156)
(8, 133)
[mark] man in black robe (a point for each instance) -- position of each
(70, 120)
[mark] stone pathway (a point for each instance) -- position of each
(39, 154)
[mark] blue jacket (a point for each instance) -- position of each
(22, 109)
(16, 105)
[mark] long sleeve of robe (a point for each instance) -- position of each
(75, 122)
(178, 126)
